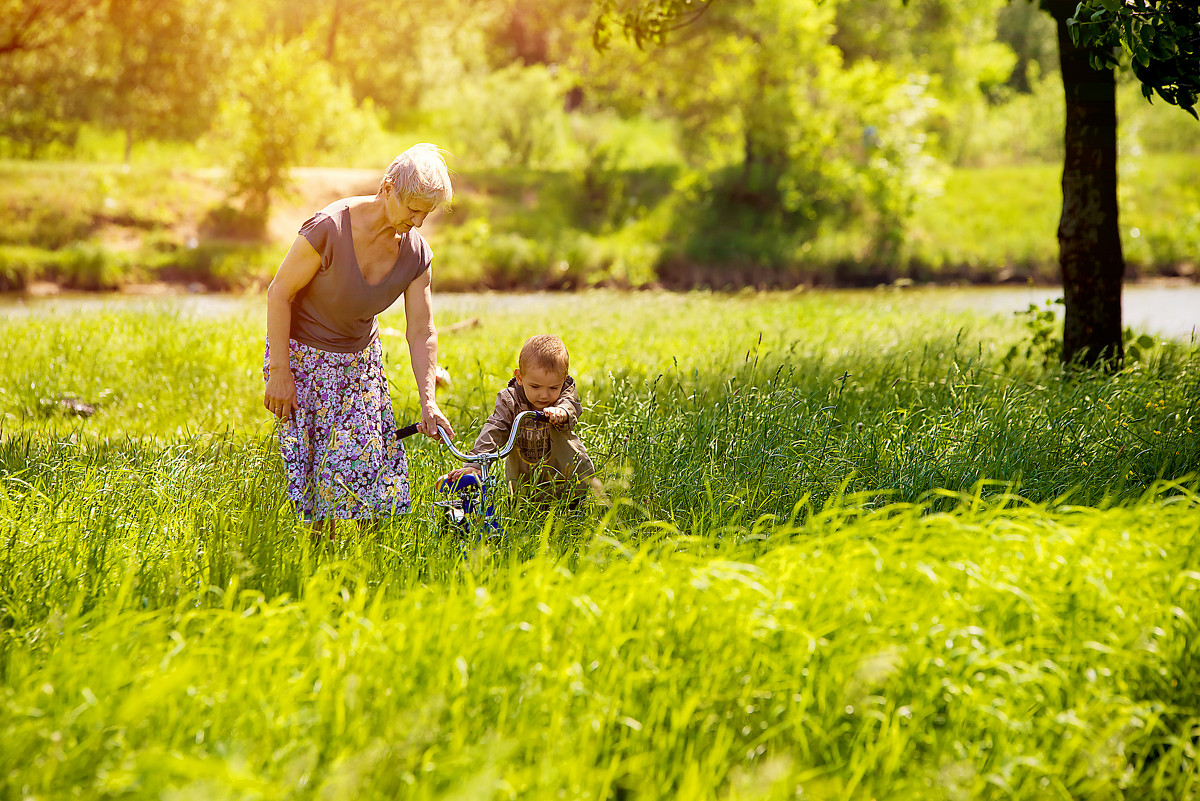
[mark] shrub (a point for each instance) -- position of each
(44, 220)
(514, 261)
(288, 105)
(512, 117)
(20, 265)
(90, 266)
(1023, 127)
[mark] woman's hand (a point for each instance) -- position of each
(297, 270)
(280, 394)
(431, 419)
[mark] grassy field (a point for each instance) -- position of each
(1001, 221)
(856, 550)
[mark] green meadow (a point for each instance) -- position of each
(858, 546)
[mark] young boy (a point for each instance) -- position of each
(548, 455)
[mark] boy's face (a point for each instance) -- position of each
(542, 387)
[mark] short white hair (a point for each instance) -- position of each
(420, 173)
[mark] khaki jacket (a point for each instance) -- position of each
(545, 456)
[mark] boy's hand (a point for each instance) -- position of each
(457, 473)
(557, 417)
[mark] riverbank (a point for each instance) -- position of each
(529, 231)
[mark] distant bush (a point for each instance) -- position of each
(1174, 250)
(1154, 127)
(49, 223)
(45, 213)
(216, 264)
(226, 220)
(81, 265)
(512, 117)
(89, 266)
(20, 265)
(288, 107)
(1018, 127)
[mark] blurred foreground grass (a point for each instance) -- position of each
(854, 552)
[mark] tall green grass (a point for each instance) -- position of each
(853, 552)
(995, 650)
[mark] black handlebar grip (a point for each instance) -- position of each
(407, 431)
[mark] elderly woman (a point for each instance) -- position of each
(324, 364)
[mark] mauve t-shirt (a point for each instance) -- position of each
(336, 311)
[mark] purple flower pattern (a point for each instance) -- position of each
(340, 451)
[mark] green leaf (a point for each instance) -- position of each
(1145, 341)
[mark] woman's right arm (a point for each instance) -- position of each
(298, 268)
(490, 440)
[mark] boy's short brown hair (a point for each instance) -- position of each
(544, 351)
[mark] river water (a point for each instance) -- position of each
(1161, 309)
(1166, 310)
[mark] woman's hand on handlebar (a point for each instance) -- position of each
(431, 419)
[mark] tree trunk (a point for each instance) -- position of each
(1089, 237)
(335, 16)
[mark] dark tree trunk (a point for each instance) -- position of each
(1089, 238)
(335, 16)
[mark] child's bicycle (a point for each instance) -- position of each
(471, 511)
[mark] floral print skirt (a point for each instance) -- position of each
(340, 451)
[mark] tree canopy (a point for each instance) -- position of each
(786, 123)
(1161, 38)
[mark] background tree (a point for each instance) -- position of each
(147, 68)
(1160, 35)
(952, 42)
(787, 138)
(402, 56)
(46, 51)
(27, 27)
(164, 67)
(288, 107)
(1089, 239)
(1162, 38)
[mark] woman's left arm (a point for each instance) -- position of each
(422, 349)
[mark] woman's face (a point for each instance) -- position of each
(404, 214)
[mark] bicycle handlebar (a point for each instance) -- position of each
(500, 454)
